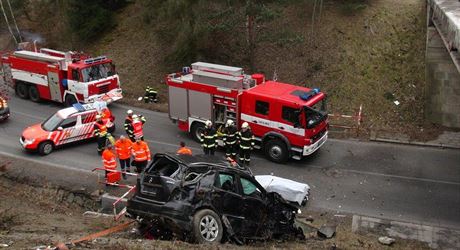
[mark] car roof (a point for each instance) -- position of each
(203, 160)
(66, 112)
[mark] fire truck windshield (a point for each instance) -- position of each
(52, 122)
(98, 71)
(316, 113)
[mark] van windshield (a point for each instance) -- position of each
(316, 113)
(52, 122)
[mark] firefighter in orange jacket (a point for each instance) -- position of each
(141, 153)
(108, 159)
(183, 150)
(137, 126)
(123, 147)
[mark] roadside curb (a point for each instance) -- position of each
(414, 143)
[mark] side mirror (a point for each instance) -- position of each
(60, 129)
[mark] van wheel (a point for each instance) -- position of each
(197, 129)
(45, 148)
(276, 151)
(34, 95)
(22, 90)
(207, 227)
(70, 100)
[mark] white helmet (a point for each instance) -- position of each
(208, 123)
(98, 117)
(245, 125)
(129, 112)
(135, 117)
(230, 123)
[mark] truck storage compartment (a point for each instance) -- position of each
(200, 105)
(178, 103)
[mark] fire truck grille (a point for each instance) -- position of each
(319, 135)
(103, 89)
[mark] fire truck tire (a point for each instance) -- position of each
(22, 90)
(276, 151)
(70, 100)
(34, 95)
(197, 128)
(45, 148)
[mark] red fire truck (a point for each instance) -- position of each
(65, 77)
(288, 121)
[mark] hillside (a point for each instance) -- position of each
(357, 51)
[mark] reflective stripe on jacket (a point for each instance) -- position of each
(137, 128)
(100, 129)
(123, 148)
(230, 135)
(141, 151)
(208, 138)
(246, 139)
(108, 159)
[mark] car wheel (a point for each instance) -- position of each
(34, 95)
(197, 129)
(22, 90)
(70, 100)
(276, 151)
(45, 148)
(207, 227)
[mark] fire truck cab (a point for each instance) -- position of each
(65, 77)
(287, 121)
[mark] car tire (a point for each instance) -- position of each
(276, 151)
(197, 129)
(70, 100)
(34, 95)
(207, 227)
(45, 148)
(22, 90)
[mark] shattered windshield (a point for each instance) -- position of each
(96, 72)
(52, 122)
(316, 113)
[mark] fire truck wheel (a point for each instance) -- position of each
(45, 148)
(22, 90)
(70, 100)
(276, 151)
(197, 129)
(34, 95)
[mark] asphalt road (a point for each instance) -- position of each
(398, 182)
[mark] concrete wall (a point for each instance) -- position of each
(442, 90)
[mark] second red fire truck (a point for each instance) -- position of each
(65, 77)
(287, 121)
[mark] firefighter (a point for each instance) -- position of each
(246, 139)
(150, 95)
(183, 150)
(129, 122)
(141, 153)
(123, 147)
(230, 133)
(208, 139)
(108, 159)
(137, 126)
(100, 130)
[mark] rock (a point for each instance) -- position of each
(60, 195)
(79, 191)
(386, 240)
(95, 194)
(88, 204)
(326, 231)
(70, 198)
(4, 245)
(79, 201)
(309, 219)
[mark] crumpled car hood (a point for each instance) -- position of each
(290, 190)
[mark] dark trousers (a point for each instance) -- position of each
(101, 144)
(140, 165)
(230, 150)
(125, 163)
(209, 151)
(245, 156)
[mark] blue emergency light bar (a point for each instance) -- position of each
(96, 59)
(78, 106)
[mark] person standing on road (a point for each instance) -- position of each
(183, 150)
(141, 153)
(137, 126)
(108, 159)
(246, 139)
(100, 130)
(208, 139)
(230, 134)
(123, 147)
(129, 124)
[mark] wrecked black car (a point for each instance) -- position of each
(206, 200)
